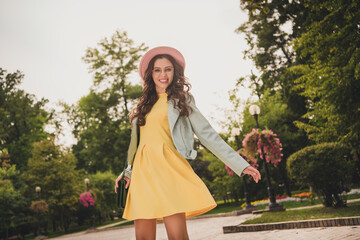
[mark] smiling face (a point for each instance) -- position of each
(162, 74)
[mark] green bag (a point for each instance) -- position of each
(121, 193)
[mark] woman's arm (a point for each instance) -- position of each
(212, 141)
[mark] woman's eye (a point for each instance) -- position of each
(168, 70)
(157, 70)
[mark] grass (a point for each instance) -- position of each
(123, 224)
(224, 208)
(353, 209)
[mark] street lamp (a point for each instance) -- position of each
(38, 190)
(273, 206)
(235, 132)
(91, 227)
(87, 181)
(255, 111)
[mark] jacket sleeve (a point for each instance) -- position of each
(213, 142)
(131, 150)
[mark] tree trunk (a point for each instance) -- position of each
(339, 202)
(328, 202)
(62, 224)
(53, 225)
(285, 178)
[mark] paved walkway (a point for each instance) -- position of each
(211, 229)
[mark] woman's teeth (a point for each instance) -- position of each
(163, 81)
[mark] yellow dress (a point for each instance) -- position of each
(162, 182)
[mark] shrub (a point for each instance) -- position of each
(325, 167)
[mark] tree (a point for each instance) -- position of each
(54, 171)
(269, 38)
(326, 167)
(113, 64)
(309, 52)
(329, 73)
(12, 203)
(101, 119)
(270, 30)
(102, 185)
(22, 119)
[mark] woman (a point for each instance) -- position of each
(163, 185)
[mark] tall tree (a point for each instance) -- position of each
(330, 74)
(112, 64)
(54, 171)
(100, 120)
(22, 118)
(309, 52)
(13, 205)
(270, 30)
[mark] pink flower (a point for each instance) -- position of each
(270, 143)
(86, 199)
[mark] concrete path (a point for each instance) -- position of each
(211, 229)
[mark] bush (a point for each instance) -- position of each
(326, 168)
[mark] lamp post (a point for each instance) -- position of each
(91, 227)
(87, 181)
(248, 207)
(38, 190)
(273, 206)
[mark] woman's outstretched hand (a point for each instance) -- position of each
(117, 182)
(252, 172)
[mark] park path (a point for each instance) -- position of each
(208, 227)
(211, 229)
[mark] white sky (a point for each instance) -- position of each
(45, 39)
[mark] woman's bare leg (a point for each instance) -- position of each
(176, 227)
(145, 229)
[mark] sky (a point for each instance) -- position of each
(46, 39)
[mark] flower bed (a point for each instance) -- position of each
(295, 198)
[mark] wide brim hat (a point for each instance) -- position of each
(144, 63)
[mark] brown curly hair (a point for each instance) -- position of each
(178, 89)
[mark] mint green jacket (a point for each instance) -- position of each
(182, 132)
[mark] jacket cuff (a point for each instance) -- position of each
(128, 171)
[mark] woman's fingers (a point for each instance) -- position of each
(127, 182)
(253, 172)
(117, 183)
(116, 186)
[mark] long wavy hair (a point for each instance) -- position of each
(178, 89)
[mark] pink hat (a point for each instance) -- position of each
(179, 58)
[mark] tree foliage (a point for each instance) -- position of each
(22, 118)
(102, 185)
(308, 53)
(330, 72)
(326, 167)
(100, 120)
(54, 171)
(112, 64)
(13, 205)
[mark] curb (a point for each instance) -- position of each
(330, 222)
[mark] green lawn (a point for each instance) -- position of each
(353, 209)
